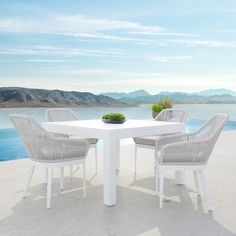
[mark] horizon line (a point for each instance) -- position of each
(102, 93)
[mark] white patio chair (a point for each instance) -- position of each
(149, 142)
(189, 152)
(63, 114)
(48, 151)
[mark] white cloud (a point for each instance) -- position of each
(89, 24)
(226, 30)
(48, 60)
(44, 50)
(208, 43)
(84, 27)
(95, 36)
(164, 33)
(61, 51)
(168, 58)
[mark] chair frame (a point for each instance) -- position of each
(37, 139)
(91, 145)
(200, 179)
(48, 167)
(72, 171)
(149, 146)
(199, 167)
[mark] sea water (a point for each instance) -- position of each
(11, 147)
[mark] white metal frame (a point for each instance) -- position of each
(201, 143)
(72, 171)
(179, 175)
(76, 118)
(111, 135)
(200, 179)
(136, 153)
(48, 166)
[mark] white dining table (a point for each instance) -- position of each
(111, 135)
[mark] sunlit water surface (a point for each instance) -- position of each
(11, 147)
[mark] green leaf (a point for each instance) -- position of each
(113, 116)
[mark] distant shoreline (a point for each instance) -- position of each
(57, 106)
(2, 106)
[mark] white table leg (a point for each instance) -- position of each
(180, 177)
(117, 154)
(110, 159)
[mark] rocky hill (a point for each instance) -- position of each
(25, 97)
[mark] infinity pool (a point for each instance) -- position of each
(11, 147)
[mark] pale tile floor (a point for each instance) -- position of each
(137, 211)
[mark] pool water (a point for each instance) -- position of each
(11, 147)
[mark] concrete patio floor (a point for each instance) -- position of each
(137, 211)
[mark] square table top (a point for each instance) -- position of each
(98, 127)
(99, 124)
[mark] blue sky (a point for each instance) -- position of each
(98, 46)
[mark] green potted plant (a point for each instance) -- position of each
(162, 104)
(156, 109)
(166, 103)
(113, 118)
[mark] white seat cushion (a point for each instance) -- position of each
(148, 140)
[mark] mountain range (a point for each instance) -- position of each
(134, 94)
(25, 97)
(206, 96)
(212, 92)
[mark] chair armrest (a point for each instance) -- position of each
(53, 147)
(72, 142)
(173, 138)
(60, 135)
(192, 151)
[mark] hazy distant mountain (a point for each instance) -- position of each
(179, 97)
(24, 97)
(138, 93)
(206, 96)
(212, 92)
(114, 95)
(134, 94)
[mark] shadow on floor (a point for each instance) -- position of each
(136, 213)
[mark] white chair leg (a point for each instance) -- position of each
(154, 161)
(96, 158)
(45, 175)
(49, 187)
(180, 177)
(28, 179)
(71, 171)
(84, 180)
(157, 179)
(204, 183)
(161, 185)
(197, 184)
(61, 178)
(135, 158)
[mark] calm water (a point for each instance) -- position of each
(11, 147)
